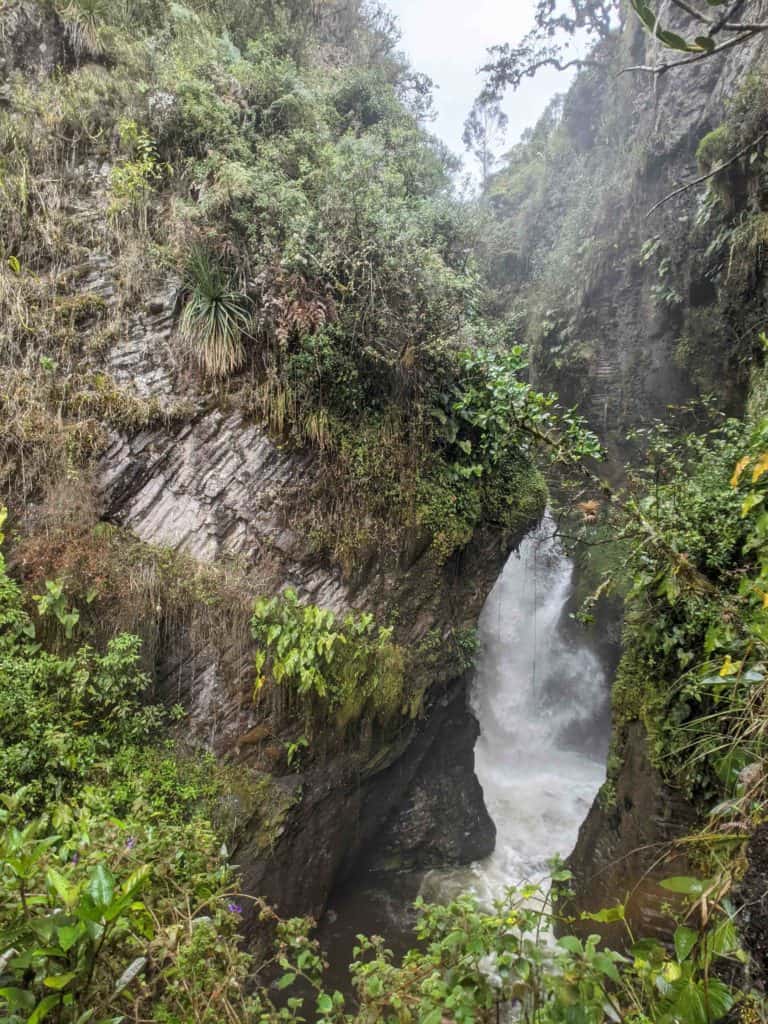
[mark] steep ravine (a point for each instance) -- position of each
(540, 697)
(189, 478)
(631, 315)
(204, 479)
(217, 487)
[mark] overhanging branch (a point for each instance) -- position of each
(710, 174)
(660, 69)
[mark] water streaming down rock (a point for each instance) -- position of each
(540, 696)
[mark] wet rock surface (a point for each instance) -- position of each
(751, 899)
(625, 849)
(630, 311)
(33, 40)
(416, 805)
(206, 481)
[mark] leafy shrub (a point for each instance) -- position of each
(61, 714)
(114, 920)
(348, 667)
(695, 641)
(137, 175)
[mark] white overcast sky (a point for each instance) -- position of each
(447, 40)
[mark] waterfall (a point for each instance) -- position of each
(538, 695)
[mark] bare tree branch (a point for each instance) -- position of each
(660, 69)
(709, 174)
(732, 12)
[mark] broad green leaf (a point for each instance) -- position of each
(683, 885)
(433, 1017)
(59, 981)
(685, 940)
(324, 1004)
(752, 500)
(706, 43)
(605, 964)
(101, 886)
(69, 934)
(608, 915)
(64, 889)
(43, 1008)
(17, 998)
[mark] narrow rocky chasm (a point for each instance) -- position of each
(167, 500)
(217, 487)
(539, 696)
(365, 544)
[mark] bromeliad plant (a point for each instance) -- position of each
(216, 319)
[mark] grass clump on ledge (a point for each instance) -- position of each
(216, 319)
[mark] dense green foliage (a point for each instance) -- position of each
(63, 714)
(275, 157)
(107, 847)
(116, 901)
(343, 667)
(697, 618)
(272, 155)
(98, 922)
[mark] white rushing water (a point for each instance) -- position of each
(539, 696)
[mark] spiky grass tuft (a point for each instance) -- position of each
(216, 319)
(84, 21)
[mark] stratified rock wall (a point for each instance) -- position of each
(214, 485)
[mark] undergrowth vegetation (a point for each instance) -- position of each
(270, 160)
(276, 161)
(336, 666)
(697, 622)
(118, 902)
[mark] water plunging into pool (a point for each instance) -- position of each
(540, 697)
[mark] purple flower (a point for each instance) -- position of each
(130, 842)
(234, 908)
(75, 858)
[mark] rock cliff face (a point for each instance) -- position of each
(630, 313)
(623, 850)
(213, 485)
(194, 475)
(416, 804)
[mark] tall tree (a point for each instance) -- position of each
(548, 44)
(484, 130)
